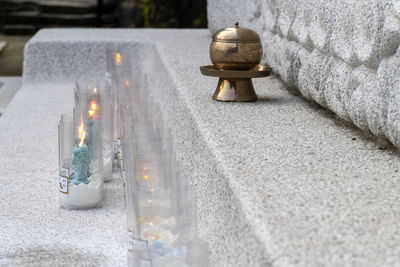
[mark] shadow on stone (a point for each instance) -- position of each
(274, 100)
(42, 256)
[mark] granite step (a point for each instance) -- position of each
(9, 86)
(280, 182)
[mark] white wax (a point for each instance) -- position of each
(82, 196)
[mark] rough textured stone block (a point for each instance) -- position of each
(342, 54)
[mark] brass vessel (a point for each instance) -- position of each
(235, 48)
(236, 54)
(235, 85)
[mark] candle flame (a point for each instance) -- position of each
(127, 83)
(93, 108)
(152, 190)
(118, 58)
(82, 139)
(145, 177)
(81, 132)
(93, 105)
(80, 128)
(95, 90)
(150, 201)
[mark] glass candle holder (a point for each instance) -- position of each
(161, 206)
(94, 98)
(85, 183)
(106, 103)
(81, 186)
(115, 66)
(65, 146)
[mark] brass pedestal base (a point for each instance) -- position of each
(235, 85)
(240, 90)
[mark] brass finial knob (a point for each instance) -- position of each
(236, 54)
(236, 48)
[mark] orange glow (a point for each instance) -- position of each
(145, 177)
(118, 58)
(80, 128)
(81, 133)
(145, 168)
(82, 139)
(127, 83)
(151, 223)
(152, 190)
(93, 105)
(91, 112)
(150, 201)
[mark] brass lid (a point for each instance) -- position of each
(236, 35)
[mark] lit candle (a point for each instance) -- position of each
(118, 59)
(80, 162)
(92, 127)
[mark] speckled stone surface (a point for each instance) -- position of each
(341, 54)
(33, 230)
(8, 87)
(279, 182)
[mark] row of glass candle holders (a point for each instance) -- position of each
(116, 127)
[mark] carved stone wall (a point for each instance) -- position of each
(341, 54)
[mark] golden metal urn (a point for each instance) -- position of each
(235, 49)
(236, 53)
